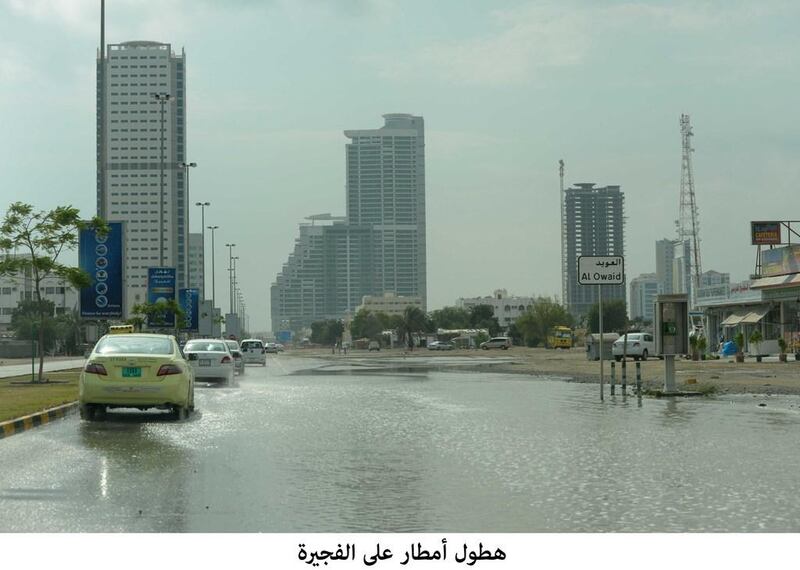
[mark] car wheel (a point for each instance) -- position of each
(181, 412)
(644, 354)
(617, 358)
(87, 412)
(505, 348)
(636, 358)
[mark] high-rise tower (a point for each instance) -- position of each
(129, 188)
(386, 190)
(595, 225)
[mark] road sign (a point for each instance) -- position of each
(601, 270)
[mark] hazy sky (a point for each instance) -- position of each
(506, 89)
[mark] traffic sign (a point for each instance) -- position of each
(601, 270)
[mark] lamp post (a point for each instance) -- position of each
(230, 247)
(186, 166)
(162, 99)
(234, 288)
(202, 237)
(213, 272)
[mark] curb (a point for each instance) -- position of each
(12, 427)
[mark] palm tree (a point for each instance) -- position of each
(412, 321)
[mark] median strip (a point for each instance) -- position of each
(25, 423)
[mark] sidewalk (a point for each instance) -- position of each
(22, 366)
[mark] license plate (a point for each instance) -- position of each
(205, 362)
(131, 372)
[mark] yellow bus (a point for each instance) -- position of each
(120, 329)
(559, 337)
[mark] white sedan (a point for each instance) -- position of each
(639, 346)
(211, 359)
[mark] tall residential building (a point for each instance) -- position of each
(327, 275)
(644, 290)
(378, 247)
(595, 226)
(386, 189)
(196, 261)
(128, 186)
(673, 266)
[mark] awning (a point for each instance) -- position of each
(776, 281)
(733, 320)
(754, 316)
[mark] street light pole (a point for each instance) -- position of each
(202, 241)
(186, 166)
(213, 272)
(162, 99)
(230, 247)
(234, 286)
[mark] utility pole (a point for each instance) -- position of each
(162, 99)
(688, 222)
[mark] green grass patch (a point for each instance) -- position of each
(22, 399)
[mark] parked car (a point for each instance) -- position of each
(441, 345)
(211, 359)
(374, 345)
(497, 342)
(640, 346)
(281, 348)
(136, 371)
(271, 348)
(254, 352)
(238, 361)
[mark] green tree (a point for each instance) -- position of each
(544, 314)
(43, 236)
(451, 318)
(413, 320)
(70, 331)
(326, 332)
(482, 317)
(366, 324)
(28, 324)
(615, 316)
(154, 315)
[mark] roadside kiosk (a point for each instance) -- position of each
(672, 333)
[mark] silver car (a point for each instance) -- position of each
(238, 361)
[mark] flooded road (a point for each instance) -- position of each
(413, 451)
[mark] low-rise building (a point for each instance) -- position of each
(388, 303)
(507, 308)
(20, 287)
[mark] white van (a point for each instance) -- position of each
(253, 351)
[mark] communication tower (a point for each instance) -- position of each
(688, 222)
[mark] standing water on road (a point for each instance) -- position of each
(415, 452)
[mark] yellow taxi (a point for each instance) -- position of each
(136, 371)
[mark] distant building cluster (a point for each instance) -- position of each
(378, 247)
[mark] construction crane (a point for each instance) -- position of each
(688, 222)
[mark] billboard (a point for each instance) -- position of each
(765, 233)
(161, 288)
(780, 261)
(189, 301)
(101, 258)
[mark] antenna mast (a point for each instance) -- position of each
(688, 223)
(564, 267)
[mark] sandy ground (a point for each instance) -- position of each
(722, 376)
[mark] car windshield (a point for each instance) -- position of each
(121, 344)
(252, 344)
(206, 346)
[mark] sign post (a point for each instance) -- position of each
(601, 270)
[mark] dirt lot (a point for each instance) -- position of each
(721, 376)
